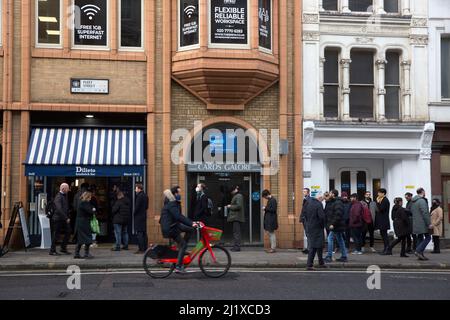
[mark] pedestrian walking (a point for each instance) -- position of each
(94, 202)
(140, 218)
(85, 212)
(347, 205)
(437, 216)
(401, 227)
(421, 223)
(236, 216)
(314, 220)
(369, 227)
(334, 212)
(201, 204)
(382, 222)
(356, 222)
(306, 196)
(411, 240)
(270, 219)
(121, 217)
(60, 220)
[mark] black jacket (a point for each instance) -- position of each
(85, 213)
(201, 208)
(382, 221)
(121, 211)
(61, 207)
(270, 215)
(314, 221)
(401, 221)
(334, 212)
(140, 212)
(170, 218)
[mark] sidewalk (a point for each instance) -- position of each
(104, 258)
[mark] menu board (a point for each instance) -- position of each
(229, 22)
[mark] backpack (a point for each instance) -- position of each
(50, 209)
(210, 207)
(367, 215)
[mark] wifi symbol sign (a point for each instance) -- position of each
(90, 10)
(189, 10)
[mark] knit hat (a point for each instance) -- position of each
(344, 194)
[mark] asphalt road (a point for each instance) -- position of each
(238, 284)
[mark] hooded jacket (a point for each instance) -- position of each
(421, 215)
(171, 217)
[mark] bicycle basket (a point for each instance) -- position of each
(214, 234)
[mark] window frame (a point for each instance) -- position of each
(362, 85)
(194, 46)
(90, 47)
(262, 49)
(119, 30)
(338, 84)
(442, 37)
(226, 45)
(36, 33)
(398, 86)
(398, 12)
(337, 7)
(363, 12)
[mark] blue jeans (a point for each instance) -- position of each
(423, 240)
(121, 234)
(341, 243)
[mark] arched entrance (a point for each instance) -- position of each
(222, 156)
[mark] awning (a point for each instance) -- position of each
(85, 152)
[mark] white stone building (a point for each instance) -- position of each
(365, 84)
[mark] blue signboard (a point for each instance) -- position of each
(84, 171)
(226, 143)
(255, 196)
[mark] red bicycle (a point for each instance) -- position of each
(213, 260)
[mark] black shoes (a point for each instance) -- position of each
(404, 256)
(54, 253)
(64, 251)
(115, 249)
(77, 256)
(235, 249)
(342, 259)
(386, 253)
(420, 256)
(125, 248)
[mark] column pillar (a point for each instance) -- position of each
(321, 6)
(381, 90)
(344, 6)
(379, 7)
(353, 182)
(406, 92)
(345, 63)
(322, 87)
(406, 9)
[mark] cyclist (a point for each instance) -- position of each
(173, 223)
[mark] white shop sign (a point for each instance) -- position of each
(91, 86)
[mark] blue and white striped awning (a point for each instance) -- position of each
(95, 147)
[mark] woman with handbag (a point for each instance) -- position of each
(85, 213)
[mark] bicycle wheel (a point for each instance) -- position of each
(155, 268)
(218, 267)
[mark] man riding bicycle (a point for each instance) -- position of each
(173, 223)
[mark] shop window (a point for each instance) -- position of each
(361, 184)
(332, 184)
(445, 67)
(188, 24)
(392, 71)
(376, 185)
(346, 182)
(331, 83)
(131, 23)
(265, 25)
(48, 22)
(361, 84)
(391, 6)
(361, 5)
(90, 28)
(330, 5)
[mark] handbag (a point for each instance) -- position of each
(95, 227)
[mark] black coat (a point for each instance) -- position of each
(409, 214)
(201, 208)
(401, 221)
(61, 207)
(334, 212)
(171, 217)
(270, 215)
(121, 211)
(140, 212)
(382, 221)
(85, 213)
(314, 220)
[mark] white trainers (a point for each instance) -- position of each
(94, 245)
(373, 249)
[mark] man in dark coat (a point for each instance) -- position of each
(201, 204)
(121, 216)
(236, 216)
(314, 220)
(421, 222)
(270, 219)
(347, 205)
(306, 197)
(60, 220)
(401, 227)
(356, 222)
(140, 218)
(382, 221)
(334, 212)
(411, 239)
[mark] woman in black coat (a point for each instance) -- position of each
(270, 219)
(382, 222)
(314, 220)
(85, 213)
(401, 227)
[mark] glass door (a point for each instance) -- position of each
(446, 205)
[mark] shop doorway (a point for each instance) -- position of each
(446, 205)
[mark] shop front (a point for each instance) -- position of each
(102, 159)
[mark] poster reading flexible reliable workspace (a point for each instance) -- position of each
(91, 23)
(189, 23)
(229, 22)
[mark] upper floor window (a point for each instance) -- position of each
(361, 5)
(48, 23)
(188, 24)
(392, 72)
(331, 84)
(391, 6)
(131, 23)
(331, 5)
(445, 67)
(361, 84)
(91, 23)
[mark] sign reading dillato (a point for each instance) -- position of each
(229, 22)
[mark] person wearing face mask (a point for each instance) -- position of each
(140, 218)
(236, 216)
(201, 204)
